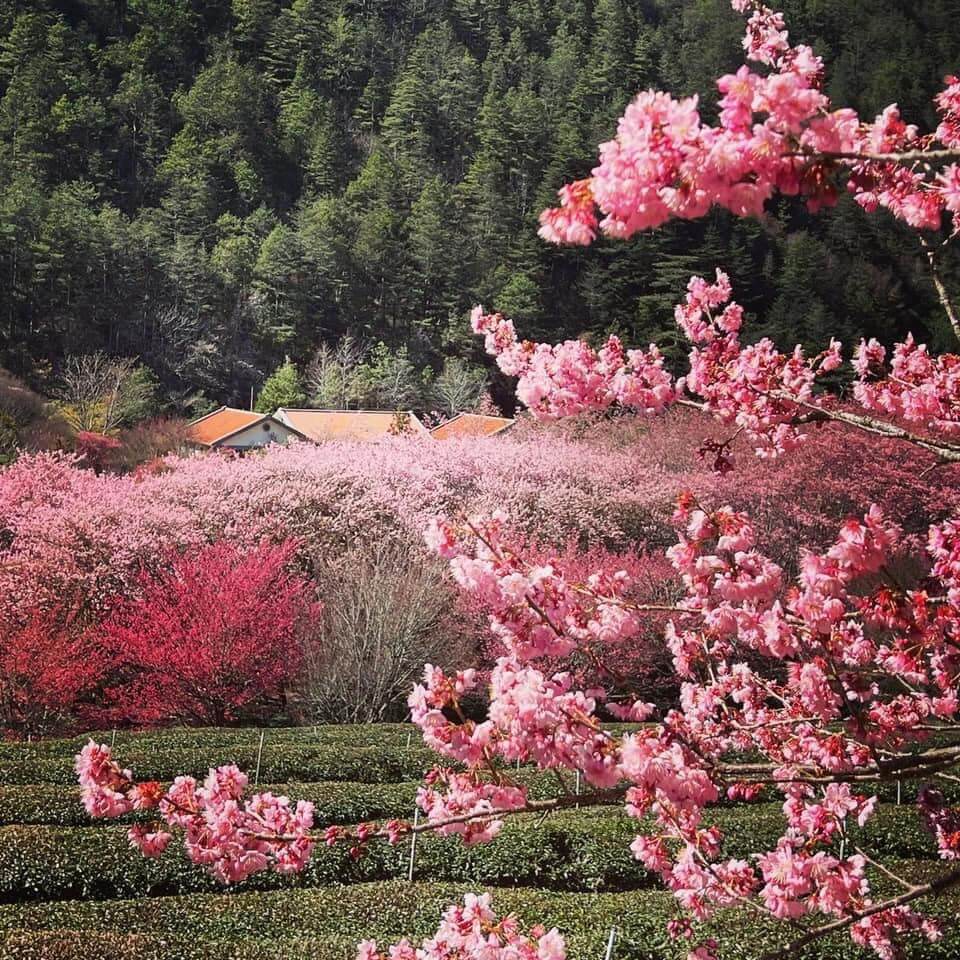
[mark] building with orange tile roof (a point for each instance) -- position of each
(233, 429)
(471, 425)
(321, 425)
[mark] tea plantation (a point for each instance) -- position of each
(72, 889)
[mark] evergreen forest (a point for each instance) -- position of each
(215, 187)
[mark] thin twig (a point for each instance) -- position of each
(945, 301)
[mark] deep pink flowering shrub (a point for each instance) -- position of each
(52, 669)
(213, 638)
(97, 450)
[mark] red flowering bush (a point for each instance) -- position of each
(97, 450)
(51, 671)
(212, 639)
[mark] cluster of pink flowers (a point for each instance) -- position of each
(832, 637)
(464, 801)
(472, 931)
(766, 394)
(941, 820)
(572, 377)
(233, 838)
(918, 387)
(756, 387)
(778, 133)
(883, 932)
(533, 610)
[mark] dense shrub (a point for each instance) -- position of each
(51, 669)
(221, 742)
(609, 486)
(216, 636)
(98, 451)
(280, 763)
(569, 851)
(18, 401)
(326, 923)
(146, 442)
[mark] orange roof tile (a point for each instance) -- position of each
(221, 423)
(349, 424)
(471, 425)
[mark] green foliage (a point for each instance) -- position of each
(74, 890)
(9, 438)
(391, 381)
(326, 924)
(209, 187)
(282, 763)
(282, 389)
(139, 398)
(574, 850)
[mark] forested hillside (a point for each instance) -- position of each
(211, 186)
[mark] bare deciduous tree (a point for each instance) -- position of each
(386, 613)
(459, 386)
(92, 390)
(333, 377)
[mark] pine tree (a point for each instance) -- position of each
(282, 389)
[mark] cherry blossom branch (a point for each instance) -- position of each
(567, 801)
(886, 871)
(932, 888)
(946, 450)
(899, 157)
(896, 768)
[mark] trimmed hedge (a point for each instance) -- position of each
(225, 738)
(280, 763)
(53, 863)
(326, 924)
(574, 850)
(228, 740)
(366, 753)
(337, 801)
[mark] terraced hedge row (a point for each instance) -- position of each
(281, 763)
(72, 889)
(337, 801)
(218, 739)
(361, 753)
(585, 850)
(326, 923)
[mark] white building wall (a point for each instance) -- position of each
(257, 436)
